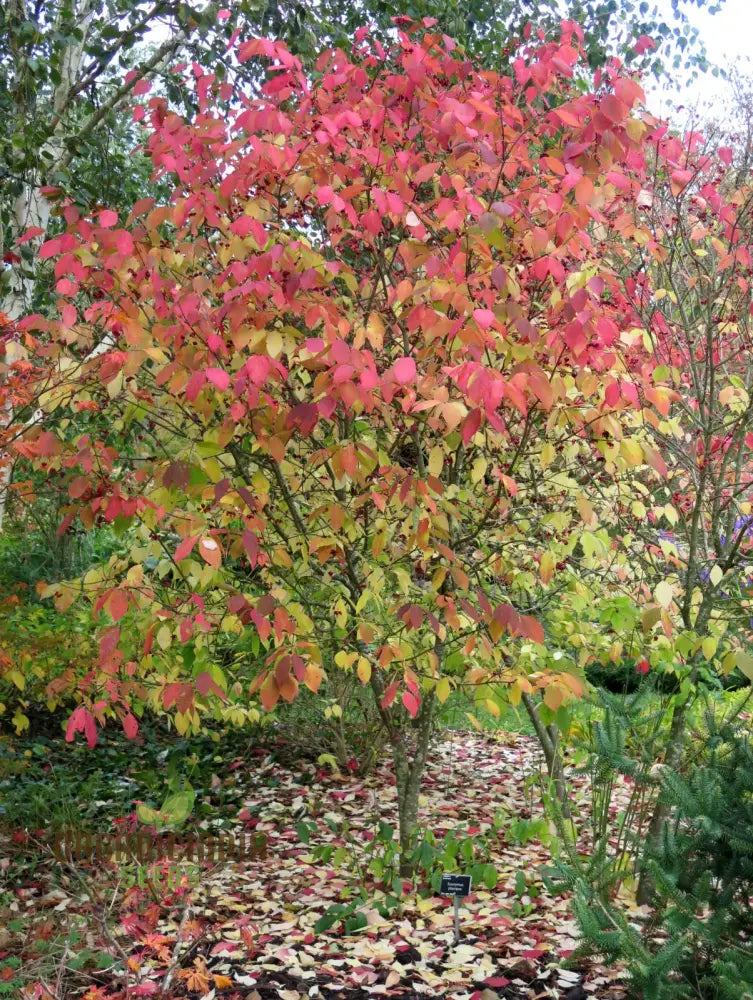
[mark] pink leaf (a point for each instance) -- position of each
(325, 194)
(108, 218)
(484, 317)
(124, 242)
(90, 729)
(50, 248)
(218, 377)
(404, 370)
(30, 234)
(75, 723)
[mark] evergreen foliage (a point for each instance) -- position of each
(699, 941)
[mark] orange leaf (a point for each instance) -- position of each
(210, 552)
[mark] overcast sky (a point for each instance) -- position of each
(728, 35)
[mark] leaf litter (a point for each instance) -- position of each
(247, 929)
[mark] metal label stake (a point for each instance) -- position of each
(456, 886)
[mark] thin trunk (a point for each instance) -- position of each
(409, 774)
(549, 741)
(673, 756)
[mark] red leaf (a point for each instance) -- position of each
(205, 684)
(130, 726)
(470, 425)
(412, 703)
(389, 694)
(531, 629)
(251, 545)
(185, 548)
(78, 487)
(118, 604)
(108, 218)
(108, 643)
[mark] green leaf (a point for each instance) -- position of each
(490, 876)
(177, 807)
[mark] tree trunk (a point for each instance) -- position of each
(409, 772)
(548, 737)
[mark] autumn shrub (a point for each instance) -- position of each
(42, 656)
(344, 723)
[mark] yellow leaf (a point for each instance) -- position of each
(312, 677)
(585, 509)
(340, 612)
(478, 470)
(708, 647)
(745, 663)
(16, 677)
(716, 574)
(345, 660)
(20, 721)
(329, 760)
(547, 455)
(453, 413)
(274, 343)
(650, 617)
(443, 689)
(436, 461)
(473, 721)
(631, 451)
(546, 567)
(375, 330)
(553, 697)
(363, 670)
(664, 593)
